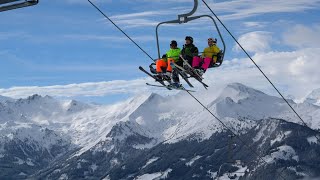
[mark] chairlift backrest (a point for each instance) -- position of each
(219, 60)
(6, 5)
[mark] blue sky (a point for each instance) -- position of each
(68, 44)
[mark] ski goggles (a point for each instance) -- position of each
(212, 40)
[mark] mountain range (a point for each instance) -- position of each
(155, 137)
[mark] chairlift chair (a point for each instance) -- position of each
(6, 5)
(184, 18)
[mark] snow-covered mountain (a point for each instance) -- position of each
(3, 99)
(314, 97)
(96, 139)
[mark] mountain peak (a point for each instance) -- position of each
(241, 88)
(146, 99)
(238, 91)
(75, 106)
(314, 97)
(36, 97)
(4, 99)
(315, 94)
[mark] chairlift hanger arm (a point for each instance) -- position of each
(182, 17)
(6, 5)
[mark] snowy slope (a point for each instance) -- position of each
(241, 102)
(3, 99)
(169, 119)
(141, 122)
(314, 97)
(26, 148)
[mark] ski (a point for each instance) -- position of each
(185, 77)
(171, 87)
(191, 68)
(154, 77)
(179, 67)
(194, 73)
(183, 73)
(204, 84)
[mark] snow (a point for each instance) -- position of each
(114, 162)
(237, 92)
(79, 165)
(265, 132)
(29, 162)
(63, 177)
(146, 146)
(280, 137)
(157, 175)
(19, 161)
(22, 174)
(170, 119)
(166, 174)
(106, 178)
(10, 136)
(314, 97)
(193, 160)
(212, 175)
(4, 99)
(312, 140)
(150, 161)
(259, 134)
(149, 176)
(284, 152)
(238, 101)
(238, 173)
(57, 171)
(297, 173)
(94, 167)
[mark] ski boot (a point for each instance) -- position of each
(176, 85)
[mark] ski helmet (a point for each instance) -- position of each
(173, 43)
(189, 38)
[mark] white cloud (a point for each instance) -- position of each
(140, 14)
(138, 22)
(82, 89)
(295, 73)
(239, 9)
(301, 36)
(89, 89)
(228, 10)
(107, 38)
(255, 24)
(258, 41)
(232, 10)
(86, 1)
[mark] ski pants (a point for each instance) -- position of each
(198, 60)
(175, 73)
(163, 66)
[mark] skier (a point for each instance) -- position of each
(189, 50)
(164, 65)
(209, 55)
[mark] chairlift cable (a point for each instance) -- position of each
(228, 128)
(233, 133)
(120, 29)
(304, 123)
